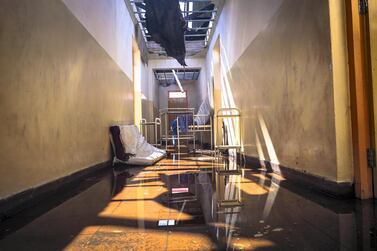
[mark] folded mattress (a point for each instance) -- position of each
(130, 147)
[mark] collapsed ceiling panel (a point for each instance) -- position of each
(200, 17)
(165, 77)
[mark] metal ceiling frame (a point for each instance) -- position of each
(184, 74)
(194, 43)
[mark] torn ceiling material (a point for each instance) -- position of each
(166, 26)
(165, 77)
(176, 28)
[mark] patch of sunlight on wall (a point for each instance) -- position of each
(274, 187)
(260, 150)
(227, 101)
(267, 138)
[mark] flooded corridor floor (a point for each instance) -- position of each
(191, 203)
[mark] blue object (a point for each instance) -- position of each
(184, 121)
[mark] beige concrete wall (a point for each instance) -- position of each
(241, 22)
(59, 92)
(109, 22)
(283, 84)
(149, 95)
(340, 73)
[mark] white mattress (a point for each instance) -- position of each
(204, 112)
(146, 161)
(135, 143)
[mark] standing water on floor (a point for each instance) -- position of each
(191, 203)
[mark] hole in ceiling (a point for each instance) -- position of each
(200, 16)
(166, 78)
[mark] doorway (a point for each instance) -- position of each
(362, 86)
(177, 99)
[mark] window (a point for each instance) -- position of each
(177, 94)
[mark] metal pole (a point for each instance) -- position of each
(211, 131)
(146, 132)
(155, 131)
(166, 132)
(193, 133)
(179, 145)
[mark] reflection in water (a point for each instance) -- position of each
(227, 207)
(229, 201)
(227, 184)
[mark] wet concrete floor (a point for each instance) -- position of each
(191, 203)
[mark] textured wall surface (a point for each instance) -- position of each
(149, 90)
(110, 24)
(59, 92)
(283, 84)
(287, 72)
(241, 22)
(341, 89)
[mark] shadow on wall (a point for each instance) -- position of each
(228, 101)
(283, 85)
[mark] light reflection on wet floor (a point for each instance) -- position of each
(214, 206)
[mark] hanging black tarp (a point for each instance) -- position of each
(166, 26)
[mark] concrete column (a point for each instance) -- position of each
(339, 66)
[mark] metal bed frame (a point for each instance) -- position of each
(165, 133)
(225, 181)
(156, 125)
(234, 115)
(193, 128)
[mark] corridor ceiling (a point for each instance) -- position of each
(201, 17)
(165, 77)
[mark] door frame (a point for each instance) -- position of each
(361, 97)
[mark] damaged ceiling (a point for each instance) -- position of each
(165, 77)
(200, 16)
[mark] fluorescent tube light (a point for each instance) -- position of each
(178, 82)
